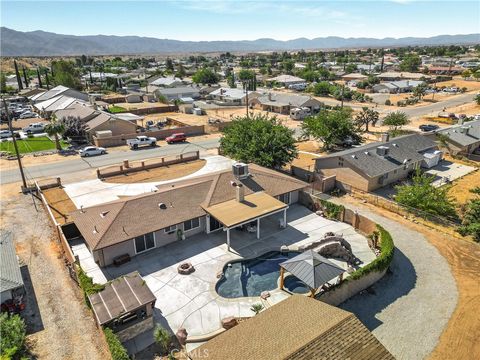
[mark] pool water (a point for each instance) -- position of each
(251, 277)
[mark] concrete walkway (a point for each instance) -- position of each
(409, 308)
(94, 192)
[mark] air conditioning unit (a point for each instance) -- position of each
(382, 150)
(240, 170)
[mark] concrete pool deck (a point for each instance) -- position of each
(190, 301)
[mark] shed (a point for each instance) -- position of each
(11, 281)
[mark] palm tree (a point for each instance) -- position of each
(55, 128)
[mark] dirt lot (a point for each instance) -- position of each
(159, 174)
(468, 109)
(188, 119)
(60, 204)
(460, 188)
(459, 340)
(142, 105)
(59, 324)
(458, 82)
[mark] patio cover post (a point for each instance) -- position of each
(282, 273)
(285, 218)
(258, 228)
(228, 239)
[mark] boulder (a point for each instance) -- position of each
(229, 322)
(264, 295)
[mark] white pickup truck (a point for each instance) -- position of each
(141, 141)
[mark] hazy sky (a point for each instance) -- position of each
(237, 19)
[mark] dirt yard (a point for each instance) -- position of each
(459, 340)
(60, 326)
(460, 188)
(60, 203)
(460, 83)
(159, 174)
(467, 109)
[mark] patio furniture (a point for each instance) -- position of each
(121, 259)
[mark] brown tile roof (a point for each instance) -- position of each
(297, 328)
(97, 121)
(120, 296)
(127, 218)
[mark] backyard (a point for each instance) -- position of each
(29, 145)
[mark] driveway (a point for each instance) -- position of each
(95, 192)
(191, 301)
(409, 308)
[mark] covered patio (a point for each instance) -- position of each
(312, 269)
(234, 213)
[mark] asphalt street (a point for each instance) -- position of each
(81, 164)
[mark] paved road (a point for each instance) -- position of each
(81, 164)
(438, 107)
(409, 308)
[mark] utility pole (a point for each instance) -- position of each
(24, 187)
(246, 99)
(343, 90)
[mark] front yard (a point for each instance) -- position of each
(29, 145)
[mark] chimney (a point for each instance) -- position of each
(385, 137)
(240, 192)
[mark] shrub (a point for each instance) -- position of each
(388, 102)
(162, 338)
(382, 262)
(12, 339)
(87, 284)
(332, 211)
(117, 350)
(116, 109)
(256, 308)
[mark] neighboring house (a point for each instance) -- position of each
(61, 90)
(393, 76)
(231, 96)
(125, 305)
(84, 112)
(400, 86)
(204, 204)
(281, 103)
(378, 164)
(169, 81)
(286, 80)
(56, 103)
(463, 138)
(11, 281)
(354, 77)
(178, 92)
(296, 328)
(134, 97)
(445, 70)
(107, 122)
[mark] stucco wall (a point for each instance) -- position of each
(109, 253)
(343, 175)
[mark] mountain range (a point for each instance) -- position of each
(41, 43)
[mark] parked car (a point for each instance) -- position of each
(5, 134)
(92, 151)
(175, 138)
(28, 114)
(34, 128)
(141, 141)
(428, 127)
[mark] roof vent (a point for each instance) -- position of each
(95, 231)
(395, 145)
(354, 156)
(104, 213)
(81, 209)
(162, 206)
(367, 153)
(240, 170)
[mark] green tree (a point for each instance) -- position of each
(395, 120)
(471, 217)
(64, 73)
(169, 65)
(12, 339)
(420, 91)
(422, 195)
(323, 88)
(244, 75)
(466, 74)
(205, 76)
(259, 139)
(231, 81)
(331, 127)
(367, 116)
(162, 338)
(117, 351)
(3, 83)
(477, 99)
(55, 128)
(181, 73)
(411, 62)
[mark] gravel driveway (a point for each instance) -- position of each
(409, 308)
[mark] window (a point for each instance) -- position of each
(170, 229)
(144, 242)
(191, 224)
(285, 198)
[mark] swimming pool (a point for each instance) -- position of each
(250, 277)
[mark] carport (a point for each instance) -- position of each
(244, 210)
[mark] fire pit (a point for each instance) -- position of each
(185, 268)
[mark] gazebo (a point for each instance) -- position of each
(311, 268)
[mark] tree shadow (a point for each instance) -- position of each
(397, 282)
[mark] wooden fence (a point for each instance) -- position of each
(131, 167)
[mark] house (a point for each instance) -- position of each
(394, 87)
(224, 200)
(169, 81)
(378, 164)
(125, 305)
(61, 90)
(354, 77)
(83, 112)
(463, 138)
(296, 328)
(107, 122)
(286, 80)
(445, 70)
(56, 103)
(393, 76)
(231, 96)
(11, 281)
(178, 92)
(282, 103)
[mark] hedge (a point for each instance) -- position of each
(87, 284)
(117, 350)
(332, 211)
(382, 262)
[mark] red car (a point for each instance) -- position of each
(174, 138)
